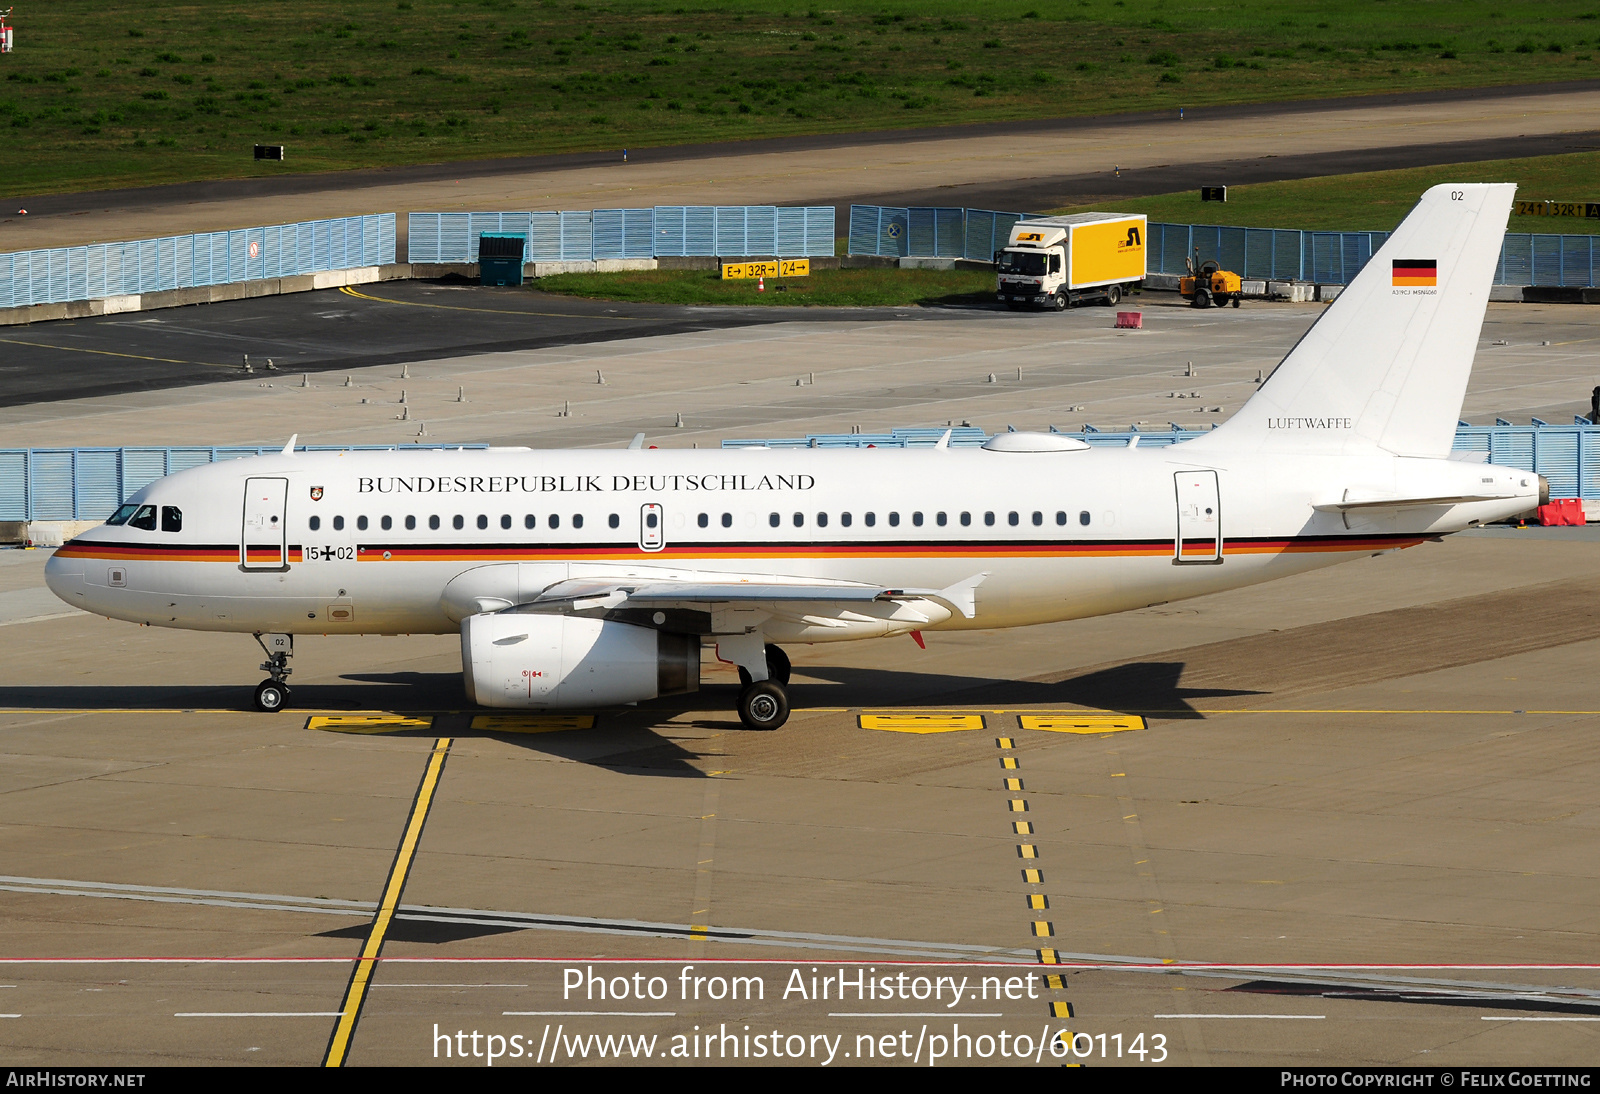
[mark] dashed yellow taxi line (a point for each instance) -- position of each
(1033, 877)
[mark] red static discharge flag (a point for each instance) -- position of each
(1416, 272)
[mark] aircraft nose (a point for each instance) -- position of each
(64, 576)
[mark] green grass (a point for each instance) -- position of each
(115, 93)
(824, 288)
(1379, 200)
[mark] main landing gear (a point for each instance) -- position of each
(272, 694)
(764, 704)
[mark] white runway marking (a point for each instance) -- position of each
(1269, 1016)
(259, 1014)
(589, 1013)
(1513, 1018)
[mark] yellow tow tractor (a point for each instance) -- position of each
(1207, 283)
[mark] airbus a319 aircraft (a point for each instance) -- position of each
(589, 578)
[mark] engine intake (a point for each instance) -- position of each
(533, 660)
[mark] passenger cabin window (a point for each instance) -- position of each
(577, 520)
(894, 520)
(505, 520)
(1038, 518)
(433, 523)
(387, 522)
(916, 518)
(941, 520)
(704, 520)
(530, 521)
(338, 524)
(871, 519)
(361, 524)
(171, 518)
(315, 523)
(966, 519)
(822, 520)
(144, 519)
(1061, 517)
(799, 519)
(483, 521)
(411, 524)
(1083, 518)
(555, 521)
(458, 522)
(988, 519)
(844, 519)
(727, 520)
(1011, 518)
(122, 514)
(613, 520)
(774, 519)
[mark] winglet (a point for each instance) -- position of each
(963, 595)
(288, 449)
(944, 441)
(637, 442)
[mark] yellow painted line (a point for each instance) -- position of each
(361, 976)
(531, 723)
(921, 723)
(1013, 784)
(1022, 828)
(1027, 850)
(1043, 928)
(1056, 982)
(496, 311)
(1004, 742)
(1081, 723)
(113, 353)
(367, 723)
(1047, 957)
(1019, 805)
(1033, 877)
(1008, 762)
(1059, 1010)
(1038, 903)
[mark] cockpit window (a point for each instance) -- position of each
(171, 518)
(144, 519)
(122, 514)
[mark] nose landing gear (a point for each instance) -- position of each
(272, 694)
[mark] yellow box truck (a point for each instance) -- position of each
(1060, 262)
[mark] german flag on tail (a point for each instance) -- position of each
(1416, 272)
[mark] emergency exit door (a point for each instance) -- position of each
(1199, 537)
(652, 527)
(264, 539)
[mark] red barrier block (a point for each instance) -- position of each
(1130, 320)
(1562, 511)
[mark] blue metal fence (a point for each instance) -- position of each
(928, 232)
(665, 231)
(181, 262)
(1567, 455)
(1273, 254)
(89, 483)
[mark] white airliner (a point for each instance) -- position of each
(584, 578)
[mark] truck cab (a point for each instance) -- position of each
(1060, 262)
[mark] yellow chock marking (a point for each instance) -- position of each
(1019, 805)
(367, 723)
(1069, 722)
(1013, 784)
(1022, 828)
(1043, 928)
(1056, 982)
(1027, 850)
(1047, 957)
(1033, 877)
(1008, 762)
(1004, 742)
(531, 723)
(1038, 903)
(921, 723)
(1060, 1010)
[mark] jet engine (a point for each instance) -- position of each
(542, 661)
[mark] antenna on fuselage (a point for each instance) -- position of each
(944, 441)
(288, 449)
(637, 442)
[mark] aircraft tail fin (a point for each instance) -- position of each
(1386, 364)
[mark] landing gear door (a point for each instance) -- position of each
(1199, 538)
(264, 539)
(652, 531)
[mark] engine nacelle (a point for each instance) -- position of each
(533, 660)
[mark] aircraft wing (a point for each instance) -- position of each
(1354, 500)
(702, 591)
